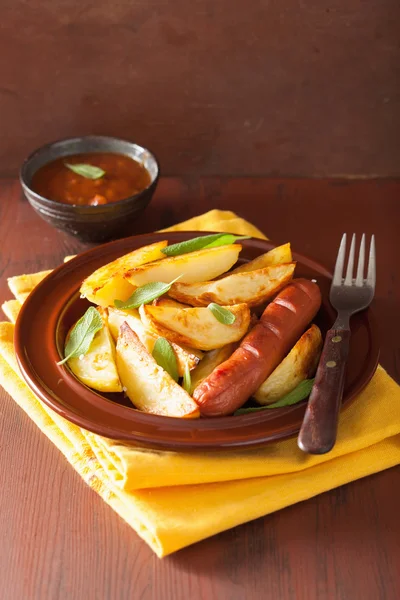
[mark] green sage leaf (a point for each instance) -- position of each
(224, 316)
(82, 334)
(199, 243)
(145, 294)
(301, 392)
(164, 355)
(226, 239)
(88, 171)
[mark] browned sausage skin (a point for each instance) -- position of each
(230, 385)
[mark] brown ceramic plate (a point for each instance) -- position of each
(55, 305)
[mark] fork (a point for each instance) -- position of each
(348, 296)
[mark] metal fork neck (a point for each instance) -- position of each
(342, 321)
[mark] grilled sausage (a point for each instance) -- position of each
(283, 321)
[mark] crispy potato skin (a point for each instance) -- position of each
(282, 323)
(251, 288)
(299, 364)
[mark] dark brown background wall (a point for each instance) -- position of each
(289, 87)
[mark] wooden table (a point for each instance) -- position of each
(59, 540)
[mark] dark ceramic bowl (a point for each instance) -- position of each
(90, 223)
(55, 304)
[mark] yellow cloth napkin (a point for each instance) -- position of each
(175, 499)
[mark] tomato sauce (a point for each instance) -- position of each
(123, 177)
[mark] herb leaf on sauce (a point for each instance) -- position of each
(85, 170)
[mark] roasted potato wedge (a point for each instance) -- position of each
(117, 316)
(196, 327)
(97, 368)
(194, 266)
(276, 256)
(108, 283)
(252, 288)
(184, 356)
(211, 360)
(299, 364)
(147, 385)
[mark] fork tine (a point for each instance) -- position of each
(338, 273)
(371, 275)
(361, 261)
(350, 265)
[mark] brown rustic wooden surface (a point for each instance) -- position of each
(309, 88)
(59, 540)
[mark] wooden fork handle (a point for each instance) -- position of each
(318, 431)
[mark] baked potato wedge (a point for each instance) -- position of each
(117, 316)
(276, 256)
(97, 368)
(195, 327)
(147, 385)
(252, 288)
(299, 364)
(108, 283)
(196, 266)
(211, 360)
(186, 357)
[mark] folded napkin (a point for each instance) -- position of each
(174, 499)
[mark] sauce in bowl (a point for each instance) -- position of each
(123, 177)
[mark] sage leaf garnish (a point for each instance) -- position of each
(301, 392)
(224, 316)
(145, 294)
(85, 170)
(227, 238)
(165, 357)
(82, 334)
(199, 243)
(187, 379)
